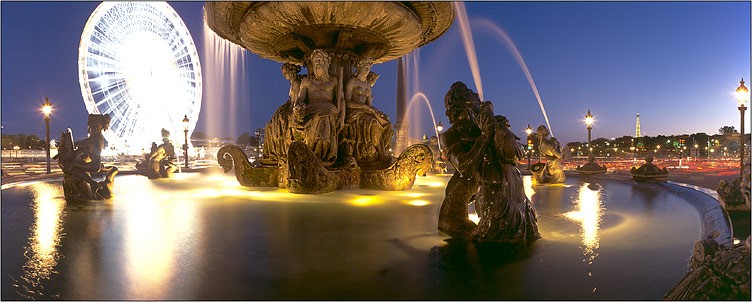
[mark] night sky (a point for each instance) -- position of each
(677, 63)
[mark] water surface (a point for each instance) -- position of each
(204, 236)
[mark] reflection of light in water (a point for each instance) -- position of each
(159, 227)
(364, 201)
(46, 233)
(588, 214)
(414, 195)
(418, 202)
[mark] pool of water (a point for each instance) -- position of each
(202, 236)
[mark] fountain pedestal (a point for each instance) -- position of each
(648, 171)
(591, 167)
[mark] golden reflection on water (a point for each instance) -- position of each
(589, 210)
(46, 231)
(158, 226)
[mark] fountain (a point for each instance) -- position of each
(649, 170)
(329, 110)
(206, 236)
(591, 167)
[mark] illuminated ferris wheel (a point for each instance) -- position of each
(138, 63)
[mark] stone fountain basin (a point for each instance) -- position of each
(203, 236)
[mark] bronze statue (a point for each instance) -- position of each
(460, 103)
(717, 273)
(735, 195)
(82, 159)
(319, 110)
(348, 154)
(648, 170)
(278, 135)
(484, 151)
(368, 127)
(551, 172)
(160, 163)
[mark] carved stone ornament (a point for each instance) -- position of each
(308, 175)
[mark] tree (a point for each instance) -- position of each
(727, 130)
(244, 139)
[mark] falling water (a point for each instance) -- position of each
(512, 48)
(225, 82)
(467, 39)
(422, 96)
(412, 77)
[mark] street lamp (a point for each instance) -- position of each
(697, 152)
(742, 96)
(258, 143)
(47, 110)
(185, 147)
(529, 131)
(589, 122)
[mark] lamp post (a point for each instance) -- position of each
(185, 147)
(742, 95)
(529, 130)
(47, 110)
(589, 122)
(258, 143)
(439, 128)
(697, 152)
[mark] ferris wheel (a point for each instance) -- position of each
(138, 63)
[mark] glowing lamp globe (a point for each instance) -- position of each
(742, 94)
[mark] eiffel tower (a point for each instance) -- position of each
(638, 136)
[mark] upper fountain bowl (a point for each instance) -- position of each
(287, 31)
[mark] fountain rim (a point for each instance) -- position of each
(226, 19)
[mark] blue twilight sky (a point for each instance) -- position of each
(677, 63)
